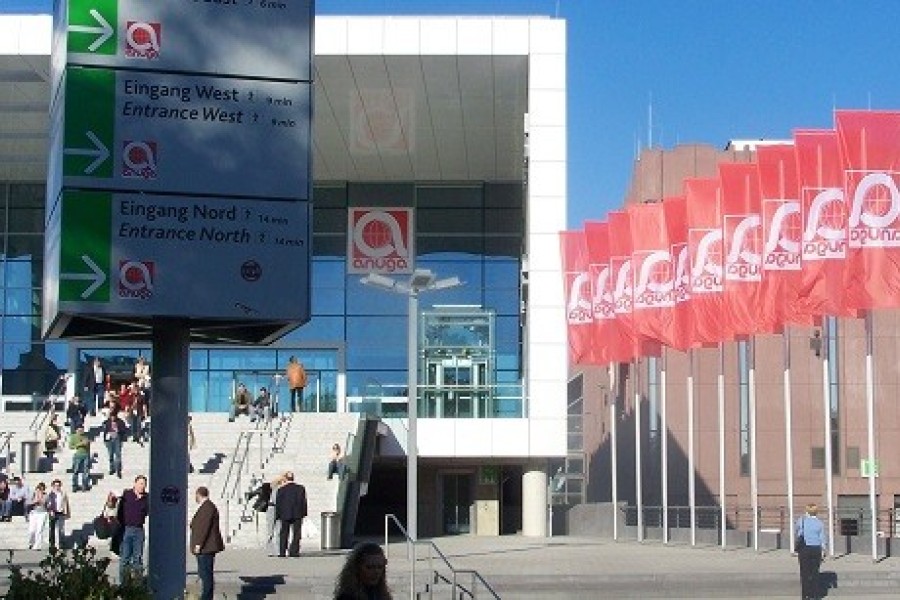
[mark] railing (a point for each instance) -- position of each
(849, 522)
(6, 444)
(495, 401)
(48, 406)
(234, 477)
(435, 576)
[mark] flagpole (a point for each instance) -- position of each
(826, 399)
(754, 471)
(788, 434)
(723, 524)
(613, 417)
(692, 477)
(638, 471)
(870, 430)
(664, 452)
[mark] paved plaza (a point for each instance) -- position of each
(559, 568)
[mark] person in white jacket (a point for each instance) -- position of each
(58, 511)
(37, 517)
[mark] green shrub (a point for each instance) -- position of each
(72, 575)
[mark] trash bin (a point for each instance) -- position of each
(28, 458)
(331, 530)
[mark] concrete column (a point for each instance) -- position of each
(534, 500)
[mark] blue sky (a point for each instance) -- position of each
(714, 70)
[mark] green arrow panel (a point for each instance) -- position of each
(89, 122)
(85, 248)
(93, 26)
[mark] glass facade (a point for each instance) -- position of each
(474, 231)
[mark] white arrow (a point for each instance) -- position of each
(104, 31)
(97, 276)
(100, 152)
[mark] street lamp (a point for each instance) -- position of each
(421, 280)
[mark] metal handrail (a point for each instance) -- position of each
(48, 406)
(6, 442)
(432, 547)
(239, 459)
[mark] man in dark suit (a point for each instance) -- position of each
(206, 540)
(290, 508)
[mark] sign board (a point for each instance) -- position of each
(868, 468)
(245, 38)
(182, 134)
(381, 240)
(195, 257)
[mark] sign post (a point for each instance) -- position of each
(178, 199)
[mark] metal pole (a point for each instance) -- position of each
(169, 459)
(692, 474)
(754, 471)
(870, 430)
(613, 418)
(826, 417)
(788, 434)
(638, 471)
(412, 450)
(664, 452)
(720, 383)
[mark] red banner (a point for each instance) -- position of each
(579, 297)
(681, 334)
(782, 236)
(706, 250)
(824, 213)
(611, 341)
(870, 148)
(653, 275)
(742, 228)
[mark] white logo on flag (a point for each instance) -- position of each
(706, 271)
(825, 230)
(624, 292)
(781, 253)
(578, 310)
(743, 260)
(876, 206)
(604, 307)
(650, 291)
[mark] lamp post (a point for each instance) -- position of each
(421, 280)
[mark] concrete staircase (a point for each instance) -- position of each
(306, 452)
(306, 449)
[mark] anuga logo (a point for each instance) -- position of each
(654, 284)
(875, 208)
(706, 270)
(623, 293)
(380, 240)
(136, 279)
(782, 249)
(743, 259)
(825, 224)
(578, 308)
(142, 40)
(604, 305)
(682, 283)
(139, 160)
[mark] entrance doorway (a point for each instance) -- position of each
(456, 502)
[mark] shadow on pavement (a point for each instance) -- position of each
(827, 581)
(255, 588)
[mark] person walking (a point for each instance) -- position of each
(297, 380)
(51, 436)
(95, 384)
(290, 509)
(75, 414)
(114, 431)
(5, 502)
(80, 444)
(206, 540)
(132, 512)
(810, 551)
(265, 496)
(58, 511)
(336, 464)
(364, 575)
(37, 517)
